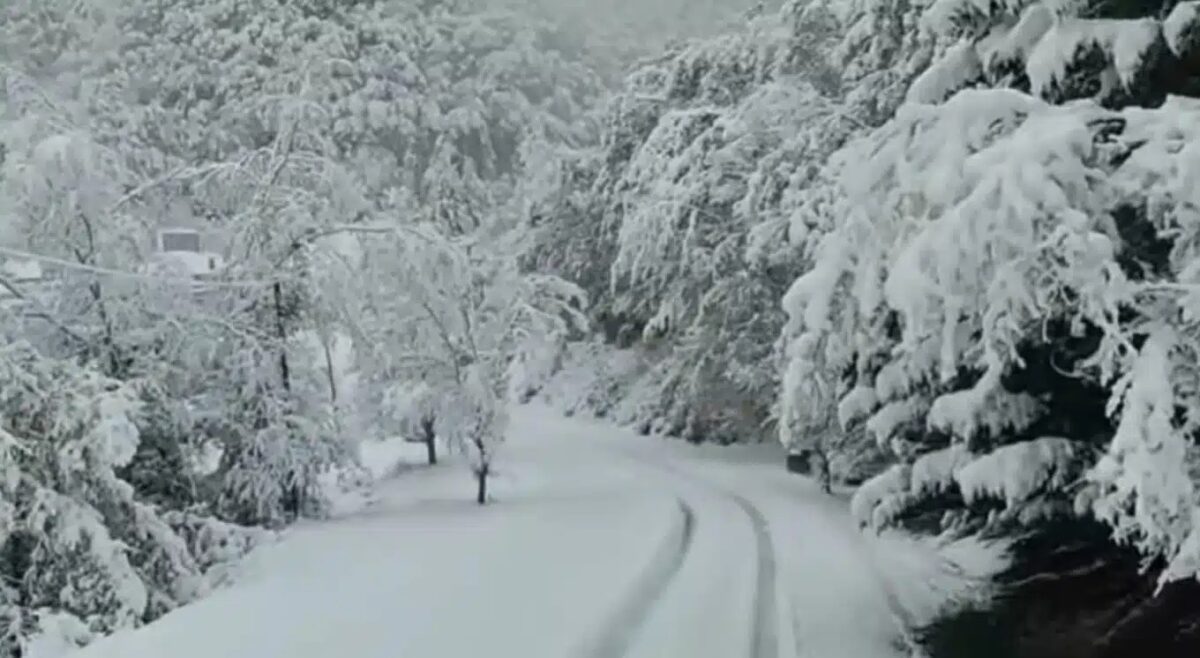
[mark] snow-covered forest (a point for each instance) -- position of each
(946, 252)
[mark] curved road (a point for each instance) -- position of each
(600, 544)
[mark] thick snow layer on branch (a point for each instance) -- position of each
(855, 405)
(933, 472)
(967, 413)
(944, 16)
(1013, 473)
(997, 214)
(1125, 42)
(887, 422)
(1147, 495)
(1186, 563)
(874, 498)
(958, 219)
(957, 67)
(1182, 27)
(810, 297)
(113, 438)
(1016, 43)
(1161, 175)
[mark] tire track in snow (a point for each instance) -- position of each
(905, 642)
(622, 626)
(764, 643)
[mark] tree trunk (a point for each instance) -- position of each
(293, 501)
(109, 342)
(115, 362)
(284, 370)
(330, 375)
(481, 475)
(430, 441)
(823, 474)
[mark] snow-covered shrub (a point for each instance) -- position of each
(215, 545)
(595, 379)
(74, 539)
(272, 463)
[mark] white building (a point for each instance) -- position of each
(183, 249)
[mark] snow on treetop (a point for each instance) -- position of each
(1126, 42)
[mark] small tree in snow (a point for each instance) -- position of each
(476, 422)
(416, 408)
(459, 314)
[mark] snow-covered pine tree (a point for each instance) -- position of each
(673, 226)
(997, 264)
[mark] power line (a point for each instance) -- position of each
(96, 269)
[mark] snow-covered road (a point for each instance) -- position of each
(600, 544)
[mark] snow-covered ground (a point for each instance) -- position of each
(599, 544)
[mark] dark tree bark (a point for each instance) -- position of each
(329, 374)
(293, 502)
(116, 364)
(430, 437)
(281, 332)
(481, 475)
